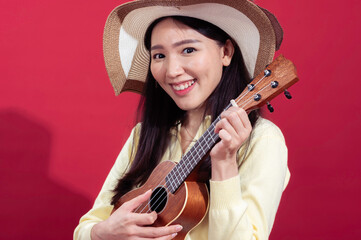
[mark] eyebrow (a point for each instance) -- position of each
(176, 44)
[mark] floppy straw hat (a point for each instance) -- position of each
(255, 30)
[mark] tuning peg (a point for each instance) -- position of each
(270, 108)
(257, 97)
(274, 84)
(250, 87)
(267, 73)
(288, 94)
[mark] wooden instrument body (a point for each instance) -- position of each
(187, 206)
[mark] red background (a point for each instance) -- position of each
(61, 127)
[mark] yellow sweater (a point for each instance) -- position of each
(243, 207)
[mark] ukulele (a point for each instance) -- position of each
(177, 195)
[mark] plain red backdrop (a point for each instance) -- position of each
(61, 127)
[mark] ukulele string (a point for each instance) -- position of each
(207, 136)
(245, 93)
(185, 161)
(186, 156)
(252, 99)
(214, 137)
(171, 183)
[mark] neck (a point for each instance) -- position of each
(190, 126)
(194, 119)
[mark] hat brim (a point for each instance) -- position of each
(127, 60)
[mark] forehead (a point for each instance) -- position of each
(170, 30)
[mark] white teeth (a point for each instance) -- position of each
(183, 86)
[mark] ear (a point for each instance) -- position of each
(228, 50)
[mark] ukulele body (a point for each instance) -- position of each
(187, 206)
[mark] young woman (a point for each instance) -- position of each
(192, 69)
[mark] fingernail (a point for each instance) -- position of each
(179, 228)
(174, 234)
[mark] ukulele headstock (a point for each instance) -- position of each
(275, 79)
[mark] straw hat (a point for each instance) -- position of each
(255, 30)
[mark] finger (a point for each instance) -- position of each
(225, 136)
(224, 125)
(168, 237)
(241, 116)
(144, 219)
(246, 129)
(135, 202)
(245, 119)
(234, 118)
(156, 232)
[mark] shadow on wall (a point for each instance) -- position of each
(32, 206)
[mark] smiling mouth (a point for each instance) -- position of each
(183, 86)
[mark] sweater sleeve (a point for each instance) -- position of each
(102, 208)
(244, 207)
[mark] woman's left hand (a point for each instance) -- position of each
(233, 129)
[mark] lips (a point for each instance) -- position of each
(183, 85)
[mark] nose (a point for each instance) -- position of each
(174, 67)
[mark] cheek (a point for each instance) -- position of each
(156, 71)
(216, 66)
(210, 62)
(210, 68)
(201, 65)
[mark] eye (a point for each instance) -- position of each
(188, 50)
(158, 56)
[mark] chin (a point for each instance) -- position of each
(189, 107)
(184, 107)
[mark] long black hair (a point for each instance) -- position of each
(159, 113)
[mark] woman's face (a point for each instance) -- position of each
(186, 64)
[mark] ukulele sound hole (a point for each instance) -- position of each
(158, 199)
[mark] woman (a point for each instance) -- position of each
(194, 69)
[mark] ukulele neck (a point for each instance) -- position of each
(192, 158)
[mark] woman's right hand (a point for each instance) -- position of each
(125, 224)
